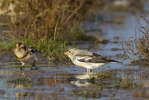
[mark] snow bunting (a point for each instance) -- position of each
(87, 59)
(24, 53)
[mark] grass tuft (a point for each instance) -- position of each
(109, 78)
(137, 47)
(53, 48)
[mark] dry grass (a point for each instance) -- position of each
(137, 47)
(38, 18)
(44, 18)
(142, 43)
(110, 78)
(129, 49)
(42, 23)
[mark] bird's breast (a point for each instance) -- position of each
(20, 54)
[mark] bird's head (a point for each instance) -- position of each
(71, 52)
(20, 46)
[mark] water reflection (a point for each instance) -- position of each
(55, 82)
(22, 95)
(33, 84)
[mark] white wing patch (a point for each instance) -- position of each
(83, 59)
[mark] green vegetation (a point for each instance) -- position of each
(47, 46)
(45, 25)
(76, 35)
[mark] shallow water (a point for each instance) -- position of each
(66, 83)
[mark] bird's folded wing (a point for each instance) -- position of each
(94, 58)
(31, 49)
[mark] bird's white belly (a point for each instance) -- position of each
(88, 65)
(20, 53)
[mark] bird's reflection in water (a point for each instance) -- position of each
(22, 95)
(85, 89)
(82, 80)
(20, 82)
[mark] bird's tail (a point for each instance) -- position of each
(114, 61)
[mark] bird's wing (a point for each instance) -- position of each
(92, 58)
(31, 49)
(34, 52)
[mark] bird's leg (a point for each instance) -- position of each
(89, 70)
(34, 66)
(22, 65)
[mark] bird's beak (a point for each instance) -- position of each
(66, 53)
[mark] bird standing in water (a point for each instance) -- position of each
(24, 53)
(87, 59)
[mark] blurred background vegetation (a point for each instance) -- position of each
(50, 25)
(40, 18)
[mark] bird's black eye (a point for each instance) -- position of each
(69, 51)
(24, 47)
